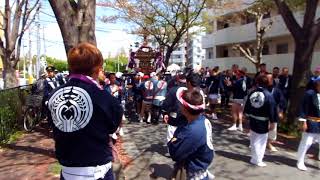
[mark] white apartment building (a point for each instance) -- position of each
(193, 50)
(233, 28)
(179, 55)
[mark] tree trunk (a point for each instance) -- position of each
(167, 56)
(256, 65)
(9, 75)
(300, 78)
(76, 21)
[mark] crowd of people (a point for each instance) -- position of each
(86, 110)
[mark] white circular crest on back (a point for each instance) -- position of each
(71, 108)
(148, 85)
(257, 99)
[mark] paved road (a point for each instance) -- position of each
(145, 145)
(145, 156)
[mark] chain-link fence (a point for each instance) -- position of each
(11, 110)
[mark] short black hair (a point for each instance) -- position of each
(263, 64)
(111, 74)
(194, 79)
(276, 68)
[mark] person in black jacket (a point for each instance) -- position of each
(310, 122)
(213, 87)
(281, 106)
(285, 81)
(275, 76)
(261, 110)
(171, 111)
(50, 82)
(84, 115)
(226, 88)
(262, 70)
(191, 146)
(240, 90)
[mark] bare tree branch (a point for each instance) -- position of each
(26, 23)
(246, 53)
(16, 25)
(7, 25)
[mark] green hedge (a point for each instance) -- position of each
(11, 101)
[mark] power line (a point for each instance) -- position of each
(48, 14)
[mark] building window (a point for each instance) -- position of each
(210, 55)
(225, 52)
(282, 48)
(250, 19)
(265, 50)
(268, 15)
(176, 57)
(222, 24)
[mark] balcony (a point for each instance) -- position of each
(247, 32)
(280, 60)
(207, 41)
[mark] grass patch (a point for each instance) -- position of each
(289, 130)
(12, 138)
(55, 168)
(15, 136)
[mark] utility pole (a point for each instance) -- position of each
(118, 63)
(24, 61)
(187, 39)
(44, 44)
(38, 47)
(30, 60)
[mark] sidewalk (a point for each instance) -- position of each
(32, 157)
(28, 158)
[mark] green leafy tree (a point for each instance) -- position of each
(111, 64)
(60, 65)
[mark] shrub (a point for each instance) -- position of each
(11, 101)
(7, 123)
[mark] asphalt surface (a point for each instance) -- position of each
(145, 145)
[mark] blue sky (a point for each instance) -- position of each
(110, 37)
